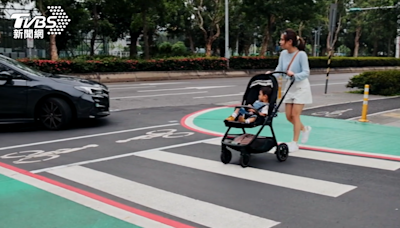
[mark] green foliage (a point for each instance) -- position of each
(104, 63)
(179, 49)
(385, 83)
(114, 64)
(314, 62)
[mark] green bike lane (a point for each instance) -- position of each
(328, 135)
(30, 200)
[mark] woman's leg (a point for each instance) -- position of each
(297, 124)
(288, 111)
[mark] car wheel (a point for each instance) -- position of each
(55, 114)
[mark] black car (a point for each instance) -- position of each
(52, 100)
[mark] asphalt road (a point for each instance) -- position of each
(354, 109)
(219, 91)
(178, 175)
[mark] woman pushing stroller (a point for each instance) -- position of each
(293, 60)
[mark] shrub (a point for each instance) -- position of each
(385, 83)
(115, 64)
(179, 49)
(122, 65)
(258, 62)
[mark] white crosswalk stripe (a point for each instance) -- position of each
(206, 213)
(337, 158)
(264, 176)
(203, 213)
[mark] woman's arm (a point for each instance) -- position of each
(304, 65)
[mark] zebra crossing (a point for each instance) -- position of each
(191, 167)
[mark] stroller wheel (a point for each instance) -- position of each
(282, 152)
(245, 160)
(226, 156)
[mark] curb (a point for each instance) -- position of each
(181, 75)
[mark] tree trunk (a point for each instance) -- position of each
(267, 35)
(265, 41)
(357, 41)
(53, 48)
(246, 49)
(208, 47)
(53, 43)
(94, 34)
(145, 36)
(301, 27)
(375, 51)
(132, 47)
(334, 34)
(191, 43)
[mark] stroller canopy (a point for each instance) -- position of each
(254, 86)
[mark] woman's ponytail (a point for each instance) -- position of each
(301, 44)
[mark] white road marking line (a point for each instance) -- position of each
(336, 158)
(158, 95)
(184, 88)
(216, 141)
(376, 113)
(184, 207)
(348, 160)
(310, 185)
(229, 103)
(86, 136)
(348, 102)
(119, 156)
(84, 200)
(223, 95)
(144, 84)
(335, 83)
(131, 87)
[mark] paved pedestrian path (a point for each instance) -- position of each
(333, 135)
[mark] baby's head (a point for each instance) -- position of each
(265, 93)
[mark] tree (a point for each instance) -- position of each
(208, 16)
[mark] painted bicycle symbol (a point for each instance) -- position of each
(164, 133)
(331, 114)
(32, 156)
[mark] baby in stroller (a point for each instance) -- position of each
(261, 105)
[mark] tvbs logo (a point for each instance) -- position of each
(55, 23)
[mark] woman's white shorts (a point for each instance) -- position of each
(299, 93)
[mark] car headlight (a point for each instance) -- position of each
(88, 90)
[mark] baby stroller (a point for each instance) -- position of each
(255, 144)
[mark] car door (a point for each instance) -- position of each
(13, 94)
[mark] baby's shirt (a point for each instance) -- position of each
(258, 104)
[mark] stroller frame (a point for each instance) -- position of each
(258, 144)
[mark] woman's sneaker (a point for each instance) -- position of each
(305, 134)
(293, 147)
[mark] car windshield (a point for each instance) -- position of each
(22, 66)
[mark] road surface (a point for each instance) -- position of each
(142, 158)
